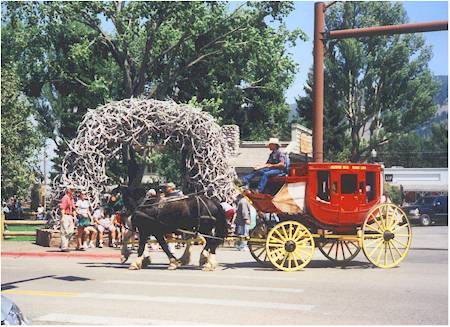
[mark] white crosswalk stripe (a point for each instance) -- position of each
(217, 275)
(205, 285)
(63, 318)
(198, 300)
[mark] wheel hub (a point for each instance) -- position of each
(290, 246)
(387, 236)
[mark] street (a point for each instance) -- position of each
(83, 290)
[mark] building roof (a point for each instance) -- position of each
(419, 179)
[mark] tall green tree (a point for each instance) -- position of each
(20, 139)
(375, 87)
(77, 55)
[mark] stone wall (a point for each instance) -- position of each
(233, 138)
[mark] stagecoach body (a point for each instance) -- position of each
(334, 194)
(337, 207)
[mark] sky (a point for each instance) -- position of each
(418, 11)
(303, 17)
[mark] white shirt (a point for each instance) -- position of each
(83, 206)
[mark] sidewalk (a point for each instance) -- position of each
(30, 249)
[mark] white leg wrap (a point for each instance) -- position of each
(203, 258)
(137, 264)
(211, 263)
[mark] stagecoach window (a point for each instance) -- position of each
(349, 184)
(370, 186)
(323, 185)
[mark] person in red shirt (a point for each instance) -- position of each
(68, 216)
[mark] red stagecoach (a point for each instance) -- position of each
(335, 206)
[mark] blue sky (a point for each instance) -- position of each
(418, 11)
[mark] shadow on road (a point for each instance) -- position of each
(12, 285)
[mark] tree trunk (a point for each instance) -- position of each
(355, 155)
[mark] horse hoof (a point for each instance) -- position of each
(123, 259)
(174, 264)
(134, 266)
(207, 268)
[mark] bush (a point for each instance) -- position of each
(394, 193)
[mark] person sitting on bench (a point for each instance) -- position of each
(275, 165)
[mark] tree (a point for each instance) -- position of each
(81, 54)
(20, 139)
(375, 87)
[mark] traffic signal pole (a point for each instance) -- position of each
(320, 36)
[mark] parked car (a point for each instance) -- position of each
(428, 210)
(11, 314)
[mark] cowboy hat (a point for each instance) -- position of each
(274, 140)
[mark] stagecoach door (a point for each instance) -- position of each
(352, 194)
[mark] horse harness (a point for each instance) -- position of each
(160, 204)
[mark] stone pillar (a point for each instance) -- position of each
(232, 136)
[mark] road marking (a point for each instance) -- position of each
(197, 300)
(216, 275)
(171, 299)
(41, 293)
(230, 287)
(106, 320)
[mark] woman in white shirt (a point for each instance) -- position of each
(85, 223)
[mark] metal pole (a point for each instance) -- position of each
(440, 25)
(318, 89)
(45, 177)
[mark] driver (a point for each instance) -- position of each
(275, 165)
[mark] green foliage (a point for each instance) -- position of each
(375, 87)
(393, 193)
(412, 150)
(20, 139)
(76, 55)
(168, 163)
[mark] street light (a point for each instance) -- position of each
(373, 155)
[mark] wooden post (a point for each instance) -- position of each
(2, 225)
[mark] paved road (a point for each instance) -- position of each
(74, 290)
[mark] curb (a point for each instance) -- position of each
(61, 255)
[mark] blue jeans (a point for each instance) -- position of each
(243, 230)
(265, 174)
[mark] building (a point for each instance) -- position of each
(418, 181)
(247, 154)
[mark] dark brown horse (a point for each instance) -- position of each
(195, 213)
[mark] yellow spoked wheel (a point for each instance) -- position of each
(339, 251)
(289, 246)
(257, 244)
(386, 235)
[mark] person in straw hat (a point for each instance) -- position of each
(275, 165)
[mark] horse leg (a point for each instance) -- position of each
(186, 257)
(146, 261)
(204, 255)
(138, 263)
(125, 252)
(173, 262)
(211, 262)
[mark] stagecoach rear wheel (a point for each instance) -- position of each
(339, 251)
(386, 235)
(258, 247)
(289, 246)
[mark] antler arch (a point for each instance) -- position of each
(132, 121)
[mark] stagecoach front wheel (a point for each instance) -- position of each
(386, 235)
(289, 246)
